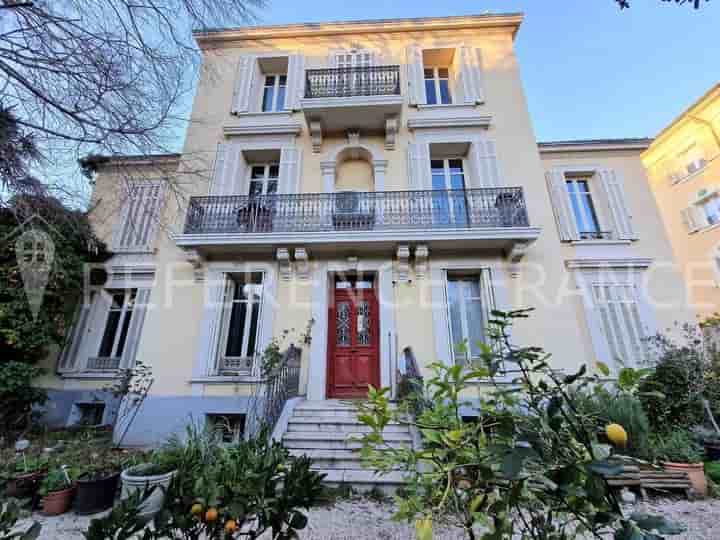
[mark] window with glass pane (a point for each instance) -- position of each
(711, 208)
(274, 93)
(583, 207)
(264, 179)
(468, 317)
(117, 323)
(437, 85)
(448, 182)
(243, 301)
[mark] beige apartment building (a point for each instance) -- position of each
(381, 183)
(684, 175)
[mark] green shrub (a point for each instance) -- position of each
(712, 469)
(678, 446)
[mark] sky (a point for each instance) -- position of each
(589, 70)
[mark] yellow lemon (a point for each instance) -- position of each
(424, 529)
(196, 509)
(617, 435)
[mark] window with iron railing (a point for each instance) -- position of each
(352, 81)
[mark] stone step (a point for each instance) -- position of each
(337, 444)
(365, 477)
(344, 437)
(340, 427)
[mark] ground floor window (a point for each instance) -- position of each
(468, 303)
(230, 428)
(117, 323)
(241, 321)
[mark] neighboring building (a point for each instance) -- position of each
(382, 179)
(684, 175)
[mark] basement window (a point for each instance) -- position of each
(90, 414)
(229, 427)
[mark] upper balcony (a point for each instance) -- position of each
(357, 98)
(485, 218)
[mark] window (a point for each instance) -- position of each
(619, 313)
(117, 324)
(711, 210)
(229, 427)
(686, 163)
(274, 93)
(90, 414)
(243, 300)
(448, 182)
(583, 208)
(353, 58)
(467, 316)
(437, 85)
(264, 179)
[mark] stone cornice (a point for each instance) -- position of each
(214, 37)
(289, 128)
(474, 121)
(603, 145)
(631, 262)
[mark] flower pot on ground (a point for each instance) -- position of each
(96, 492)
(680, 451)
(712, 451)
(57, 491)
(710, 439)
(695, 472)
(153, 480)
(29, 474)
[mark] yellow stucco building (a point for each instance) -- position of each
(684, 175)
(381, 179)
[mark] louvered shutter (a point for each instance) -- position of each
(230, 171)
(484, 168)
(560, 200)
(619, 209)
(135, 331)
(69, 356)
(290, 166)
(471, 74)
(419, 166)
(140, 216)
(218, 171)
(295, 82)
(244, 75)
(97, 320)
(415, 77)
(692, 218)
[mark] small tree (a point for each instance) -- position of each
(530, 467)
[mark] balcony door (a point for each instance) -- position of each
(449, 204)
(353, 348)
(352, 79)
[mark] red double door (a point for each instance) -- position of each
(353, 343)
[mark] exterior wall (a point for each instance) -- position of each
(698, 251)
(177, 331)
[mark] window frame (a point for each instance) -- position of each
(588, 210)
(265, 180)
(276, 86)
(436, 84)
(212, 420)
(126, 311)
(704, 205)
(226, 317)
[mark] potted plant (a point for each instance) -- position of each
(679, 451)
(710, 439)
(152, 479)
(57, 490)
(97, 485)
(29, 472)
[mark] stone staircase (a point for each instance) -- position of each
(324, 431)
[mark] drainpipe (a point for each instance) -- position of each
(710, 126)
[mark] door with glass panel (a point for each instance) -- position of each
(240, 323)
(354, 82)
(467, 313)
(257, 216)
(353, 351)
(583, 208)
(119, 305)
(449, 203)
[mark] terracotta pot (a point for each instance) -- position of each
(25, 485)
(695, 472)
(58, 502)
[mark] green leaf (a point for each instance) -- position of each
(603, 369)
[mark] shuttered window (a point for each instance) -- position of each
(469, 302)
(619, 314)
(241, 322)
(140, 216)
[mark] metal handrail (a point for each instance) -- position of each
(358, 211)
(352, 81)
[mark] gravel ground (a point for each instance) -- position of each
(364, 519)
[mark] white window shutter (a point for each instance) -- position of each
(295, 82)
(691, 218)
(416, 79)
(619, 208)
(560, 200)
(218, 171)
(419, 166)
(244, 75)
(69, 356)
(471, 74)
(140, 216)
(290, 167)
(137, 320)
(484, 168)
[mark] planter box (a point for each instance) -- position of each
(58, 502)
(695, 472)
(94, 496)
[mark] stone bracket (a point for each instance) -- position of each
(316, 135)
(421, 261)
(302, 264)
(198, 263)
(391, 129)
(403, 264)
(284, 264)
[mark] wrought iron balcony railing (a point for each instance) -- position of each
(351, 82)
(358, 211)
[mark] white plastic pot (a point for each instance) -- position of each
(133, 479)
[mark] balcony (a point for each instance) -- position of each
(492, 218)
(358, 98)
